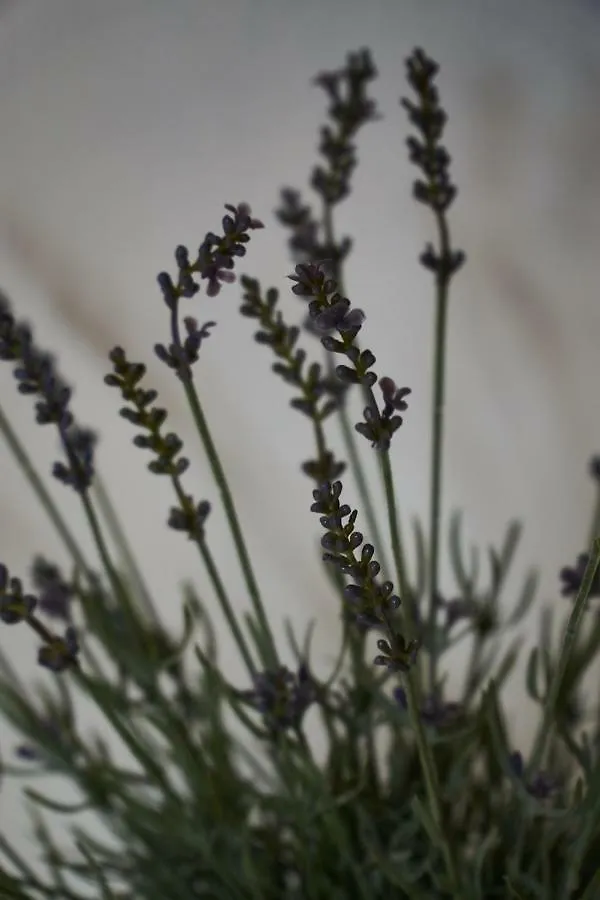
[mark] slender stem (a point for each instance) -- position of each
(266, 647)
(232, 517)
(320, 438)
(114, 525)
(595, 526)
(432, 784)
(206, 556)
(394, 524)
(441, 314)
(113, 577)
(569, 640)
(226, 607)
(473, 667)
(430, 775)
(43, 496)
(215, 578)
(55, 517)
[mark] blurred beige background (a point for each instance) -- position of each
(124, 128)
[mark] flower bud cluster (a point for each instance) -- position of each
(57, 653)
(282, 697)
(541, 785)
(55, 593)
(320, 394)
(214, 263)
(188, 517)
(436, 189)
(329, 311)
(36, 375)
(434, 711)
(369, 600)
(216, 257)
(350, 108)
(572, 578)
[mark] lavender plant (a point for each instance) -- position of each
(452, 809)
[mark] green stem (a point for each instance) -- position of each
(217, 583)
(432, 785)
(394, 525)
(206, 557)
(113, 577)
(569, 640)
(430, 775)
(595, 526)
(112, 520)
(441, 315)
(116, 583)
(43, 496)
(226, 607)
(57, 520)
(232, 517)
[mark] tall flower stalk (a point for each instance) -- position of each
(214, 263)
(314, 239)
(436, 191)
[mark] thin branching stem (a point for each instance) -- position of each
(53, 513)
(595, 524)
(394, 524)
(232, 518)
(428, 766)
(432, 783)
(217, 583)
(122, 541)
(113, 576)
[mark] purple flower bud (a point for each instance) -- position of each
(60, 653)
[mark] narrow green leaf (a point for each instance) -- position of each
(531, 680)
(54, 805)
(525, 599)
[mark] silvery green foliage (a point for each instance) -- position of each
(225, 796)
